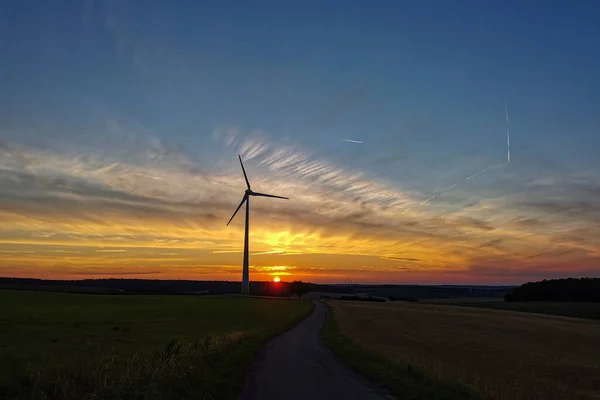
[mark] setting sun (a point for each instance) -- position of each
(276, 279)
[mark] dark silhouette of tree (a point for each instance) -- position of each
(569, 289)
(299, 288)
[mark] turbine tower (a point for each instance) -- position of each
(246, 198)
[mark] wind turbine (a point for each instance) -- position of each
(246, 198)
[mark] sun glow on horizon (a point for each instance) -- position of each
(276, 279)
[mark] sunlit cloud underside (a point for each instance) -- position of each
(141, 209)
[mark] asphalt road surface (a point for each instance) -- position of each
(297, 365)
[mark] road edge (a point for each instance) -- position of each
(249, 388)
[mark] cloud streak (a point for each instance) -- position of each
(152, 196)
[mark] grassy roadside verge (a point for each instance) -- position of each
(404, 381)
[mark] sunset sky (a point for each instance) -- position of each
(121, 122)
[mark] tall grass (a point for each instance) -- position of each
(71, 346)
(181, 370)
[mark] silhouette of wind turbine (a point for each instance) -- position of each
(246, 198)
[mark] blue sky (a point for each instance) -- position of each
(95, 89)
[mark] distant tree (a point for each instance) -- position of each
(299, 288)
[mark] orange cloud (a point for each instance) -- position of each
(68, 215)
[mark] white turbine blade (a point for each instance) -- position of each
(244, 171)
(238, 209)
(269, 195)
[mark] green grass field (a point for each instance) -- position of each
(56, 345)
(502, 355)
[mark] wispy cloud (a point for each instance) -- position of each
(148, 194)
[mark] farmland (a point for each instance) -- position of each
(57, 345)
(565, 309)
(497, 354)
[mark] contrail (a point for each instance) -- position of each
(507, 129)
(471, 176)
(433, 196)
(427, 201)
(353, 141)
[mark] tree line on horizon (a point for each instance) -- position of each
(156, 286)
(566, 289)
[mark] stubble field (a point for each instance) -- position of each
(565, 309)
(499, 354)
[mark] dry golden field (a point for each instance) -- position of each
(500, 354)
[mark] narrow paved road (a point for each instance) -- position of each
(296, 365)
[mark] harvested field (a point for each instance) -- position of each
(499, 354)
